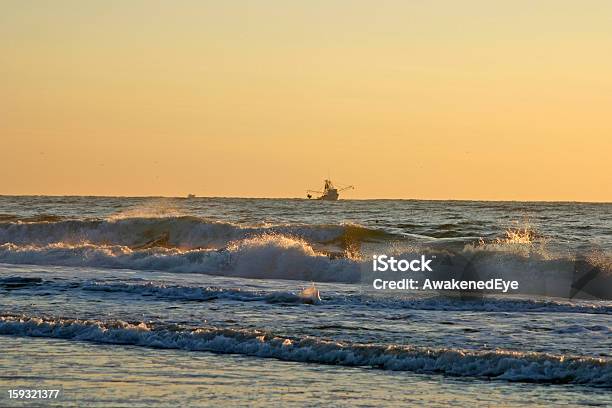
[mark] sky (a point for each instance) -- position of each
(481, 100)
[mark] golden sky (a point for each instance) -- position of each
(508, 100)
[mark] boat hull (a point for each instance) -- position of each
(331, 195)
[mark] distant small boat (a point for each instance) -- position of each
(329, 193)
(191, 196)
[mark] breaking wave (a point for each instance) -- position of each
(323, 253)
(185, 232)
(285, 257)
(495, 364)
(269, 256)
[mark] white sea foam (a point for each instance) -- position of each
(495, 364)
(268, 256)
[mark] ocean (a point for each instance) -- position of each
(130, 302)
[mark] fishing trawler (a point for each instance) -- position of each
(329, 193)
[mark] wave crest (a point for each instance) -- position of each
(494, 364)
(269, 256)
(185, 232)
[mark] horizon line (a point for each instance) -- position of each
(307, 199)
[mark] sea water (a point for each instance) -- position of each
(206, 301)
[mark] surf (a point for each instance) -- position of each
(506, 365)
(185, 232)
